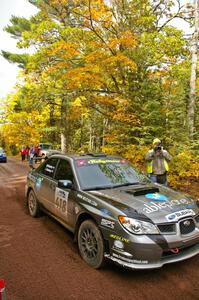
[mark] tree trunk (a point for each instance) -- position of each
(192, 96)
(105, 126)
(63, 121)
(63, 142)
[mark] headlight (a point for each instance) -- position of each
(137, 226)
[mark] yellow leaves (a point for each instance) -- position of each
(66, 50)
(123, 116)
(125, 40)
(83, 77)
(106, 100)
(126, 61)
(183, 167)
(77, 110)
(111, 60)
(128, 40)
(110, 150)
(55, 68)
(95, 56)
(77, 102)
(100, 61)
(58, 2)
(95, 11)
(158, 74)
(122, 113)
(133, 153)
(23, 127)
(136, 154)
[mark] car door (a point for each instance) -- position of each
(46, 185)
(64, 198)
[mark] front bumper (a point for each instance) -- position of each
(149, 251)
(144, 264)
(3, 159)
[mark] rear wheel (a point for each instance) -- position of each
(33, 206)
(91, 244)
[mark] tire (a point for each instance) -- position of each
(33, 206)
(91, 244)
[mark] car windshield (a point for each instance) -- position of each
(45, 146)
(1, 151)
(107, 173)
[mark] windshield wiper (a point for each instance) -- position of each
(127, 184)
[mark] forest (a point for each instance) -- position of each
(105, 76)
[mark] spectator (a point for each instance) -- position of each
(36, 152)
(27, 152)
(23, 153)
(31, 155)
(157, 163)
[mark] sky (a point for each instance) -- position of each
(8, 71)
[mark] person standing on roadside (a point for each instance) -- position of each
(27, 152)
(23, 153)
(31, 155)
(37, 151)
(157, 163)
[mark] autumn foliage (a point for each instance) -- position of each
(104, 76)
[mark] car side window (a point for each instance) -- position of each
(64, 171)
(48, 168)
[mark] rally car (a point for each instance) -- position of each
(46, 150)
(3, 156)
(114, 211)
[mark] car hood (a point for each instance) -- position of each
(155, 202)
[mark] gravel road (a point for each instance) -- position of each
(39, 260)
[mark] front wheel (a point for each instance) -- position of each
(33, 206)
(91, 244)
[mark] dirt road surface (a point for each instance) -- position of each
(39, 261)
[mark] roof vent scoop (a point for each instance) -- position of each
(142, 191)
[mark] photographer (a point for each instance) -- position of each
(157, 163)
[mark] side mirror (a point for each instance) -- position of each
(67, 184)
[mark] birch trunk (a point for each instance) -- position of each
(192, 96)
(64, 146)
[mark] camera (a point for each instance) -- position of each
(158, 148)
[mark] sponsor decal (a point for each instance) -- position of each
(61, 200)
(108, 223)
(103, 161)
(155, 207)
(81, 162)
(186, 223)
(179, 214)
(38, 183)
(119, 238)
(49, 169)
(133, 261)
(61, 194)
(118, 244)
(32, 177)
(156, 197)
(90, 201)
(191, 206)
